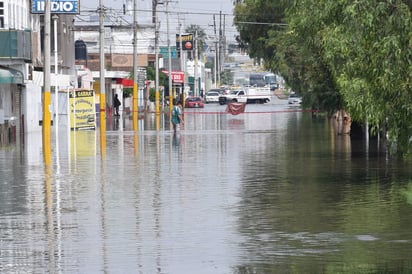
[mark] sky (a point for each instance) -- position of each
(185, 12)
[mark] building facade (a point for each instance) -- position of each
(118, 54)
(21, 65)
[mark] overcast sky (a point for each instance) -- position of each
(187, 12)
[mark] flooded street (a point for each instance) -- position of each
(272, 190)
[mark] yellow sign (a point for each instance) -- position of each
(82, 109)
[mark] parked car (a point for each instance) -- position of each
(212, 97)
(194, 102)
(294, 99)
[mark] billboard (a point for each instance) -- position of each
(56, 6)
(186, 40)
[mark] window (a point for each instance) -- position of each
(1, 14)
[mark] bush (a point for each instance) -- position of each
(152, 95)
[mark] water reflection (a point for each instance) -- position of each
(176, 139)
(264, 192)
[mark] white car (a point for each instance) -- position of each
(294, 99)
(212, 97)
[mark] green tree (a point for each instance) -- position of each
(226, 77)
(301, 57)
(340, 54)
(254, 20)
(371, 48)
(263, 29)
(152, 77)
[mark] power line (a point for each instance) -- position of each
(197, 13)
(120, 11)
(261, 23)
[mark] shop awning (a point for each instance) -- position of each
(10, 76)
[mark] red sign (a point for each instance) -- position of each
(177, 76)
(127, 83)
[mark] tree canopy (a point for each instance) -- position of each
(339, 54)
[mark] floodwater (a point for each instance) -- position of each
(272, 190)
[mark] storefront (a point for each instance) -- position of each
(178, 78)
(11, 81)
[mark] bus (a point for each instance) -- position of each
(264, 79)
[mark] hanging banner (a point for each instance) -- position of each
(82, 109)
(235, 108)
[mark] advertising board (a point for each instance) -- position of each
(186, 40)
(82, 109)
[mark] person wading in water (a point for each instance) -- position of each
(177, 117)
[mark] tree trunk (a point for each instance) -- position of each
(341, 122)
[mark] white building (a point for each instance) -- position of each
(21, 64)
(118, 52)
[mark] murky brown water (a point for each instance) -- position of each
(268, 191)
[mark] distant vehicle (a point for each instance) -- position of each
(212, 97)
(194, 102)
(258, 95)
(249, 95)
(263, 79)
(232, 97)
(294, 99)
(224, 90)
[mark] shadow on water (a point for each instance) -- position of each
(267, 191)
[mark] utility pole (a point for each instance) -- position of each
(171, 97)
(224, 40)
(195, 82)
(56, 86)
(220, 47)
(216, 52)
(46, 127)
(135, 85)
(157, 95)
(102, 83)
(182, 63)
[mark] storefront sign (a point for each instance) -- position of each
(177, 76)
(66, 6)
